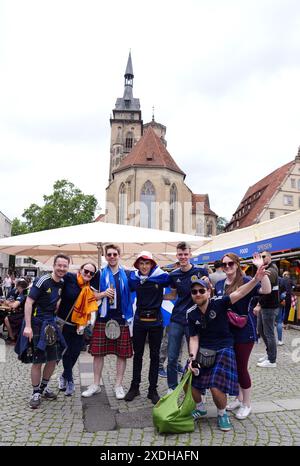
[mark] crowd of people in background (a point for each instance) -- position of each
(221, 310)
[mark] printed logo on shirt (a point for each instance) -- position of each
(156, 285)
(194, 277)
(48, 291)
(212, 314)
(59, 291)
(197, 322)
(178, 280)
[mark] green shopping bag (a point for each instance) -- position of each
(168, 417)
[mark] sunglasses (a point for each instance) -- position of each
(112, 254)
(198, 291)
(227, 264)
(89, 272)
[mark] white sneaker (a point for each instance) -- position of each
(280, 343)
(266, 363)
(62, 383)
(264, 358)
(170, 390)
(91, 390)
(243, 412)
(234, 405)
(119, 392)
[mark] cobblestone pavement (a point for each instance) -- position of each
(275, 419)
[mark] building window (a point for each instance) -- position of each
(298, 184)
(272, 215)
(209, 229)
(288, 200)
(122, 204)
(173, 204)
(147, 212)
(299, 202)
(293, 183)
(129, 140)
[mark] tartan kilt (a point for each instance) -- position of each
(223, 375)
(101, 345)
(51, 353)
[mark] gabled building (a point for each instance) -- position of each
(146, 186)
(276, 194)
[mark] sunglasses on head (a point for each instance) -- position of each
(227, 264)
(198, 291)
(112, 254)
(89, 272)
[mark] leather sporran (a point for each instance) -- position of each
(206, 357)
(50, 335)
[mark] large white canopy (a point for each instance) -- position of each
(85, 242)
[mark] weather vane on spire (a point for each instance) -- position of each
(153, 113)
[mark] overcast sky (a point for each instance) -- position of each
(223, 75)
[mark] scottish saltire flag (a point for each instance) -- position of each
(167, 308)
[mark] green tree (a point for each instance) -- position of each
(18, 227)
(221, 224)
(66, 206)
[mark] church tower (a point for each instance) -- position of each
(126, 123)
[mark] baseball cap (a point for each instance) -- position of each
(197, 281)
(144, 255)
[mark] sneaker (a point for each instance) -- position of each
(264, 358)
(119, 392)
(180, 369)
(199, 412)
(132, 393)
(35, 400)
(234, 405)
(162, 373)
(49, 395)
(266, 363)
(70, 389)
(280, 343)
(91, 390)
(224, 423)
(62, 383)
(153, 396)
(243, 412)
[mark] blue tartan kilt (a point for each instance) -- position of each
(223, 375)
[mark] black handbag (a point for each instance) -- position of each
(206, 357)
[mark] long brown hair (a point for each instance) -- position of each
(238, 281)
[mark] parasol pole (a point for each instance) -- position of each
(100, 254)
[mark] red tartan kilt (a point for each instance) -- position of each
(101, 345)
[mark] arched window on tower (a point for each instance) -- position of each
(129, 140)
(147, 210)
(122, 204)
(173, 205)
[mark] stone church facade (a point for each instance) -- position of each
(146, 187)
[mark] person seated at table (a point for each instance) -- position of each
(13, 321)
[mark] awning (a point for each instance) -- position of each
(276, 244)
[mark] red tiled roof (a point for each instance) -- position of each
(203, 198)
(100, 218)
(149, 151)
(258, 196)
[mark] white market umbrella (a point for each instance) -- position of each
(86, 242)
